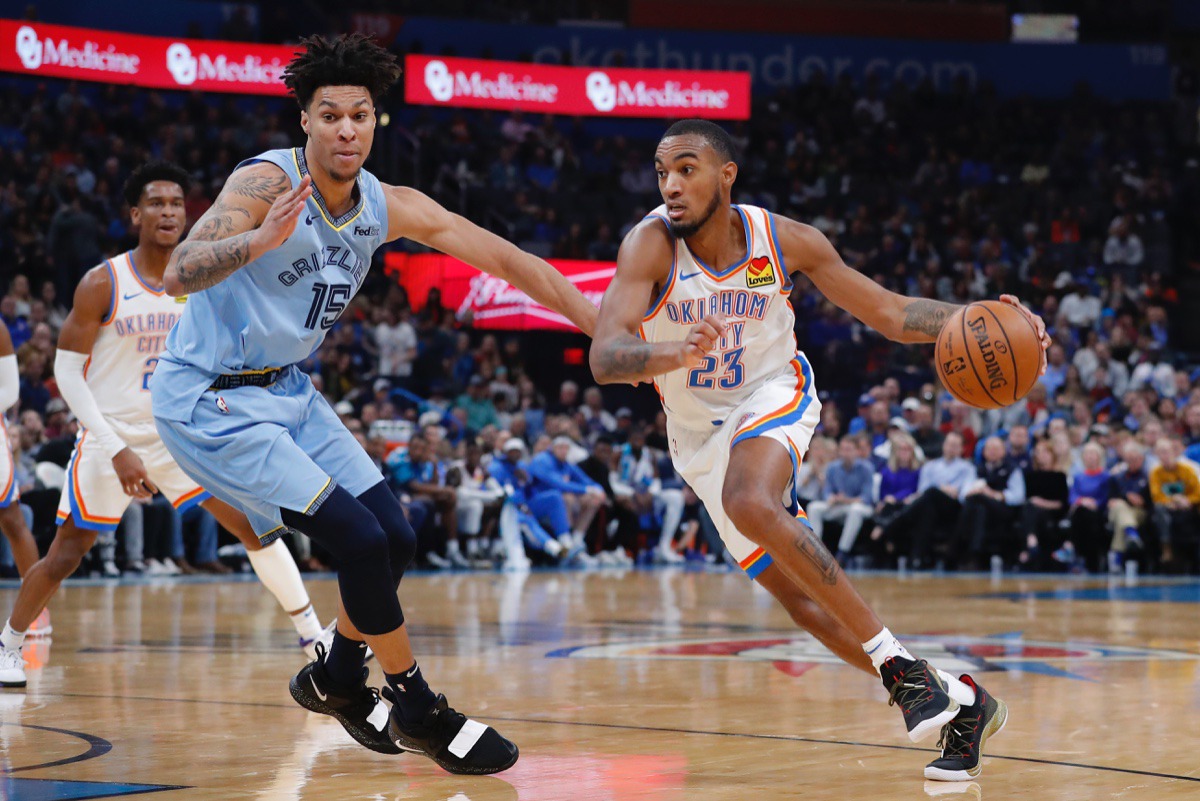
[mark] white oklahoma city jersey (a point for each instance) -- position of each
(129, 343)
(753, 384)
(752, 296)
(126, 351)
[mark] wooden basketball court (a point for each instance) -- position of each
(664, 685)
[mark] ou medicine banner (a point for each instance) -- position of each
(490, 302)
(577, 91)
(156, 62)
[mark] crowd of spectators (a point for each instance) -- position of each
(1072, 205)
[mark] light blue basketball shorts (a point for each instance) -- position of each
(263, 449)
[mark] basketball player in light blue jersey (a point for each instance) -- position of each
(268, 270)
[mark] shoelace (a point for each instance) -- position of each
(11, 659)
(956, 739)
(905, 693)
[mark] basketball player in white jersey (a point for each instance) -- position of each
(107, 351)
(12, 521)
(699, 305)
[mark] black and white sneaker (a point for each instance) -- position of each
(920, 693)
(362, 714)
(452, 740)
(963, 738)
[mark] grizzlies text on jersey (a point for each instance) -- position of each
(275, 310)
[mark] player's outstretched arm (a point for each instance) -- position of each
(413, 215)
(897, 317)
(618, 354)
(256, 211)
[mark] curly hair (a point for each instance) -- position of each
(154, 171)
(346, 60)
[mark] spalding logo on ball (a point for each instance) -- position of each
(988, 355)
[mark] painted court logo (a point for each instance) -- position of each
(760, 273)
(797, 655)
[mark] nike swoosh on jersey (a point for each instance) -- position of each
(131, 297)
(689, 275)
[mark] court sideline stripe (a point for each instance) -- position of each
(625, 727)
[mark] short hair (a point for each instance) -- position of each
(714, 136)
(150, 172)
(346, 60)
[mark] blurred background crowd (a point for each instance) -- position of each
(506, 453)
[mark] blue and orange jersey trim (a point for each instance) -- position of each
(756, 563)
(722, 275)
(138, 277)
(661, 300)
(188, 500)
(83, 518)
(785, 278)
(112, 293)
(10, 492)
(787, 414)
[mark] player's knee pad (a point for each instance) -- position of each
(402, 540)
(349, 530)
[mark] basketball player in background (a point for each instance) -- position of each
(107, 351)
(699, 305)
(268, 271)
(12, 520)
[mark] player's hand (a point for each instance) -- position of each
(281, 220)
(1038, 325)
(132, 473)
(701, 339)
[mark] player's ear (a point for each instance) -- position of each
(304, 120)
(135, 216)
(729, 174)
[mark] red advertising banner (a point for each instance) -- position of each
(157, 62)
(585, 91)
(490, 302)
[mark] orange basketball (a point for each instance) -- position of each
(988, 355)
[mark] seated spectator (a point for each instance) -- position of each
(926, 521)
(925, 432)
(638, 470)
(1089, 502)
(478, 406)
(551, 472)
(477, 493)
(415, 471)
(849, 485)
(1046, 497)
(990, 505)
(597, 419)
(1129, 499)
(898, 481)
(537, 511)
(622, 530)
(1174, 495)
(810, 480)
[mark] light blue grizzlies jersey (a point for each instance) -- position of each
(275, 310)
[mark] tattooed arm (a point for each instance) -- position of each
(897, 317)
(618, 354)
(255, 212)
(413, 215)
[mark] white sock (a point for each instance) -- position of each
(278, 572)
(307, 624)
(957, 690)
(452, 547)
(882, 647)
(11, 639)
